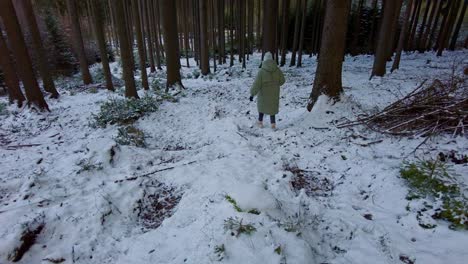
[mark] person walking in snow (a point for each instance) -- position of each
(267, 87)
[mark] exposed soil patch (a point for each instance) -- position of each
(28, 238)
(311, 181)
(158, 203)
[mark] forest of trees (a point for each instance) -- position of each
(43, 39)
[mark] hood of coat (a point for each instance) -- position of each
(269, 65)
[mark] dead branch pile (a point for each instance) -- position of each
(441, 107)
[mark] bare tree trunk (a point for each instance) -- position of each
(148, 13)
(154, 5)
(301, 38)
(169, 25)
(270, 12)
(392, 45)
(423, 44)
(458, 26)
(44, 70)
(98, 28)
(371, 41)
(329, 68)
(447, 29)
(356, 29)
(284, 30)
(413, 25)
(259, 23)
(186, 32)
(423, 24)
(221, 37)
(297, 25)
(403, 33)
(231, 33)
(78, 41)
(141, 48)
(204, 52)
(20, 51)
(11, 79)
(125, 50)
(242, 10)
(380, 60)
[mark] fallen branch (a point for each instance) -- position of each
(153, 172)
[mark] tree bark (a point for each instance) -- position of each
(169, 25)
(20, 51)
(329, 68)
(413, 25)
(284, 31)
(204, 52)
(297, 26)
(126, 53)
(403, 33)
(429, 4)
(380, 60)
(458, 26)
(140, 46)
(447, 29)
(221, 37)
(356, 29)
(44, 70)
(270, 12)
(9, 72)
(301, 37)
(98, 28)
(149, 14)
(78, 41)
(423, 44)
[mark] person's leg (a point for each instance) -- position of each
(260, 119)
(273, 121)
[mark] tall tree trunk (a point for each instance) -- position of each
(392, 45)
(185, 23)
(301, 38)
(414, 26)
(270, 12)
(126, 53)
(371, 40)
(356, 29)
(259, 23)
(297, 26)
(204, 52)
(78, 41)
(141, 48)
(169, 25)
(250, 18)
(453, 42)
(403, 33)
(149, 14)
(380, 58)
(98, 28)
(20, 51)
(213, 34)
(447, 29)
(284, 30)
(242, 10)
(329, 68)
(423, 24)
(221, 36)
(44, 70)
(423, 44)
(154, 5)
(9, 73)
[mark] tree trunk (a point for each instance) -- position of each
(259, 23)
(392, 44)
(423, 24)
(11, 79)
(301, 38)
(20, 51)
(98, 28)
(447, 29)
(270, 12)
(403, 33)
(44, 70)
(457, 28)
(204, 52)
(78, 41)
(221, 37)
(297, 25)
(414, 25)
(156, 15)
(423, 44)
(231, 33)
(356, 29)
(329, 68)
(126, 53)
(149, 14)
(284, 30)
(371, 41)
(140, 46)
(169, 25)
(380, 60)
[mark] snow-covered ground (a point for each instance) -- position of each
(87, 190)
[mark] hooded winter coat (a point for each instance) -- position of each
(267, 87)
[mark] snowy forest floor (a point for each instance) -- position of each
(314, 193)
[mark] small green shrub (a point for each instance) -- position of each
(124, 111)
(432, 179)
(131, 135)
(3, 108)
(237, 227)
(237, 208)
(92, 90)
